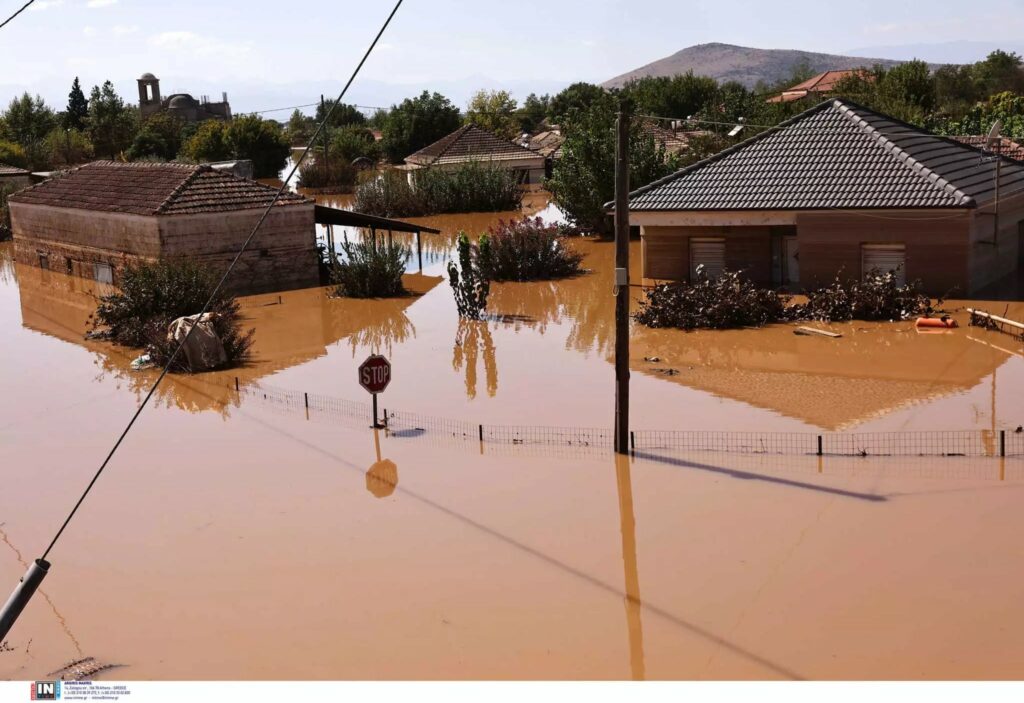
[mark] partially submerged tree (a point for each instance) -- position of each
(529, 250)
(262, 141)
(468, 280)
(152, 295)
(370, 269)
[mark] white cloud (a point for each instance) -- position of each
(89, 31)
(45, 4)
(122, 29)
(100, 3)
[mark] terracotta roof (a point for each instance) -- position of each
(821, 84)
(835, 155)
(673, 143)
(469, 143)
(546, 143)
(6, 170)
(152, 189)
(1007, 147)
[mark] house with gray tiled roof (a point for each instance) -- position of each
(471, 143)
(838, 190)
(93, 220)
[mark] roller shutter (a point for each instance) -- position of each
(885, 258)
(709, 253)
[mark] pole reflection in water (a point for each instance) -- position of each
(473, 337)
(382, 477)
(632, 601)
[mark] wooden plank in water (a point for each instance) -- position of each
(814, 330)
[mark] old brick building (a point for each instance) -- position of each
(93, 220)
(180, 105)
(839, 189)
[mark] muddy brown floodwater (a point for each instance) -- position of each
(231, 539)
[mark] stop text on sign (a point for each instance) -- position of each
(375, 374)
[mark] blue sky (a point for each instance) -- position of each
(264, 52)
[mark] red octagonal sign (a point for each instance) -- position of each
(375, 373)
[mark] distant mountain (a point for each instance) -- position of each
(727, 62)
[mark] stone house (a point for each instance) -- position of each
(838, 190)
(93, 220)
(471, 143)
(14, 176)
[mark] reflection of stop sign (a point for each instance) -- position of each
(375, 373)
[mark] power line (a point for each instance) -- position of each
(220, 284)
(20, 10)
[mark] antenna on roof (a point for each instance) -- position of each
(994, 137)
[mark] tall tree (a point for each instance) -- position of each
(112, 124)
(584, 178)
(28, 120)
(417, 122)
(160, 136)
(344, 114)
(533, 112)
(262, 141)
(677, 96)
(576, 96)
(77, 111)
(495, 111)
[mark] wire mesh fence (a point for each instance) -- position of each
(402, 424)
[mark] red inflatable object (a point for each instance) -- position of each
(940, 322)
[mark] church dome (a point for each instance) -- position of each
(181, 102)
(147, 77)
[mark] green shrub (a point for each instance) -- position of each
(388, 194)
(529, 250)
(877, 297)
(468, 281)
(335, 173)
(473, 187)
(367, 269)
(154, 294)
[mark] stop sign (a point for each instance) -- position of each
(375, 373)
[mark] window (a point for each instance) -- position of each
(44, 261)
(709, 253)
(69, 264)
(103, 273)
(884, 258)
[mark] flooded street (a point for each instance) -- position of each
(232, 539)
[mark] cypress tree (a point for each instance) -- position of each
(78, 107)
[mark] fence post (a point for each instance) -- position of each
(1002, 442)
(632, 439)
(819, 445)
(306, 396)
(481, 427)
(236, 384)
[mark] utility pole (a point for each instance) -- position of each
(622, 281)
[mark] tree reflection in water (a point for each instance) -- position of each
(382, 333)
(473, 337)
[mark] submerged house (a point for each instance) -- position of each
(838, 189)
(821, 86)
(92, 220)
(473, 144)
(14, 176)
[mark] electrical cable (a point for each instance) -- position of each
(20, 10)
(220, 284)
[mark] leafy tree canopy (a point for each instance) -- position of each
(495, 111)
(417, 122)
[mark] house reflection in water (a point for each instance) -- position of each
(291, 328)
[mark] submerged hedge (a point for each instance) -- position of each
(472, 187)
(731, 301)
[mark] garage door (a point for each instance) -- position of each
(885, 258)
(709, 253)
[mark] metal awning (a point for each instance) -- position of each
(346, 218)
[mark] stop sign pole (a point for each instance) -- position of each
(374, 377)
